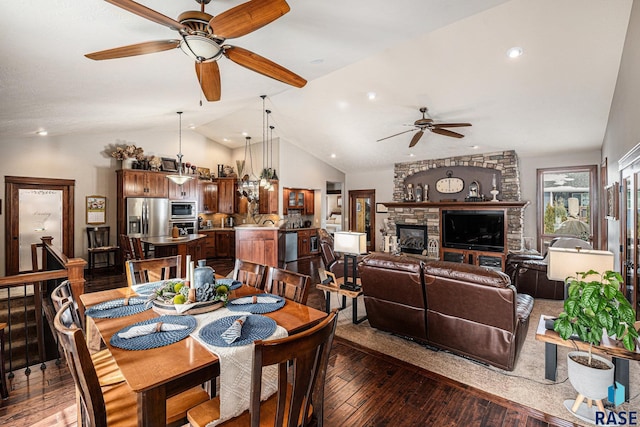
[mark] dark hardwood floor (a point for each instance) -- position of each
(363, 387)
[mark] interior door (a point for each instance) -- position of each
(362, 218)
(36, 207)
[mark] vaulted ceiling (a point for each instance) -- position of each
(447, 55)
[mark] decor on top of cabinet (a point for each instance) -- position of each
(129, 155)
(155, 163)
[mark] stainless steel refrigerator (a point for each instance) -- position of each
(147, 216)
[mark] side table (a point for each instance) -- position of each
(335, 287)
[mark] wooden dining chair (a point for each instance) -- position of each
(115, 405)
(99, 246)
(131, 247)
(288, 284)
(249, 273)
(104, 363)
(152, 269)
(302, 359)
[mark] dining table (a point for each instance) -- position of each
(156, 374)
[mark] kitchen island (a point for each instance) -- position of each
(191, 244)
(258, 244)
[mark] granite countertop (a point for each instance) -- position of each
(168, 240)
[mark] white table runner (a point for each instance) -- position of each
(235, 369)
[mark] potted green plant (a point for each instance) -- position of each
(593, 307)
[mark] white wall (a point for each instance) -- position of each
(302, 170)
(528, 179)
(623, 128)
(86, 159)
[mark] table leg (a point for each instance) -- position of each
(550, 360)
(152, 407)
(354, 317)
(327, 299)
(622, 374)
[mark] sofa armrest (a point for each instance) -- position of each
(524, 305)
(537, 265)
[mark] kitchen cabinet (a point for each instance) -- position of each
(302, 200)
(304, 243)
(227, 195)
(186, 191)
(207, 197)
(209, 243)
(309, 202)
(139, 183)
(225, 245)
(258, 245)
(268, 202)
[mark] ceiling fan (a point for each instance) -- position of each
(202, 37)
(426, 123)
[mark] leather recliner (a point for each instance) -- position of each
(528, 272)
(333, 261)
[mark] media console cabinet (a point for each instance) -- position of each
(430, 215)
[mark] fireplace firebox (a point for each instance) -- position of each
(412, 238)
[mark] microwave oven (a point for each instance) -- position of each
(179, 210)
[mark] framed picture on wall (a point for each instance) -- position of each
(381, 208)
(96, 207)
(612, 201)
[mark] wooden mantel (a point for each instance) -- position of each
(425, 205)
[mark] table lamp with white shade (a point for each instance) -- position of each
(351, 245)
(564, 262)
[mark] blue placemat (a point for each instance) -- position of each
(232, 284)
(156, 339)
(255, 328)
(258, 308)
(116, 308)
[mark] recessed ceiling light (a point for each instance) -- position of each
(42, 133)
(475, 147)
(225, 139)
(371, 96)
(333, 155)
(343, 105)
(411, 155)
(515, 52)
(317, 61)
(245, 134)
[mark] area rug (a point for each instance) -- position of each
(525, 384)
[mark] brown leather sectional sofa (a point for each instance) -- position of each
(468, 310)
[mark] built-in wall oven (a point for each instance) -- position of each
(184, 227)
(183, 210)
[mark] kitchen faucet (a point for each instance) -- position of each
(268, 220)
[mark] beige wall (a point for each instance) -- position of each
(623, 129)
(86, 159)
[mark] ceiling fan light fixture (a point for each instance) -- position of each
(200, 48)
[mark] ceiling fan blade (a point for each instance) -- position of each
(134, 49)
(411, 130)
(416, 138)
(147, 13)
(450, 125)
(209, 78)
(447, 133)
(263, 66)
(247, 17)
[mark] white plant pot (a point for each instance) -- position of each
(128, 163)
(590, 382)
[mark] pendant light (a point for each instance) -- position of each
(179, 178)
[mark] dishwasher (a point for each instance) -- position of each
(291, 246)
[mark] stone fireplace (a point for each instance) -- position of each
(412, 238)
(482, 169)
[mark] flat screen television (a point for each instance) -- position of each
(481, 230)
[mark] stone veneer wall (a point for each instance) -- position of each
(506, 162)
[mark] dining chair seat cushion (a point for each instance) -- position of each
(209, 411)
